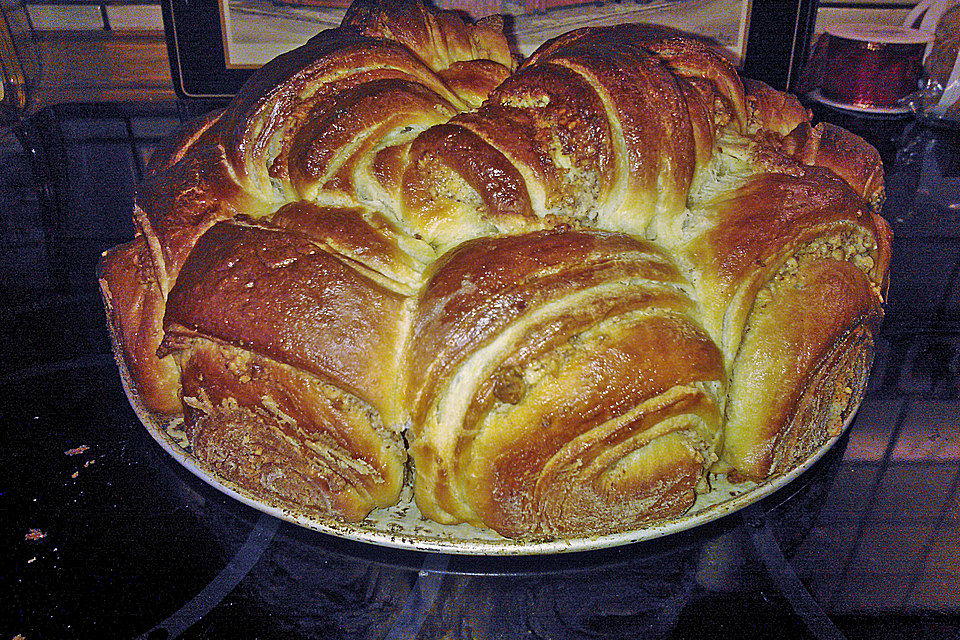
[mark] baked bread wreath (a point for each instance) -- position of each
(552, 296)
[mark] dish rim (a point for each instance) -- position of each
(402, 526)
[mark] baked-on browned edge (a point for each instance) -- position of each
(569, 289)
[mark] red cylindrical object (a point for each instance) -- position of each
(870, 73)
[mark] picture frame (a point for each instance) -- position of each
(210, 61)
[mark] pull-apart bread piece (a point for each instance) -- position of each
(566, 385)
(552, 297)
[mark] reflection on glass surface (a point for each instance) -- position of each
(19, 62)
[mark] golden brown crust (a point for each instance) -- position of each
(355, 120)
(291, 299)
(617, 436)
(482, 286)
(172, 149)
(440, 38)
(473, 80)
(656, 163)
(614, 160)
(564, 282)
(542, 351)
(354, 235)
(134, 304)
(277, 431)
(774, 212)
(177, 206)
(538, 99)
(850, 157)
(762, 229)
(774, 111)
(800, 332)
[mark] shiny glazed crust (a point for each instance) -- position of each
(553, 297)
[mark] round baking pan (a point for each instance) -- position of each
(403, 527)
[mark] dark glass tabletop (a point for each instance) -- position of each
(108, 537)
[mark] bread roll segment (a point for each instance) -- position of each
(552, 296)
(543, 353)
(135, 303)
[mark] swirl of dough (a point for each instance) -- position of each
(566, 386)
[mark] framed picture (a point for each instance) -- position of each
(215, 46)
